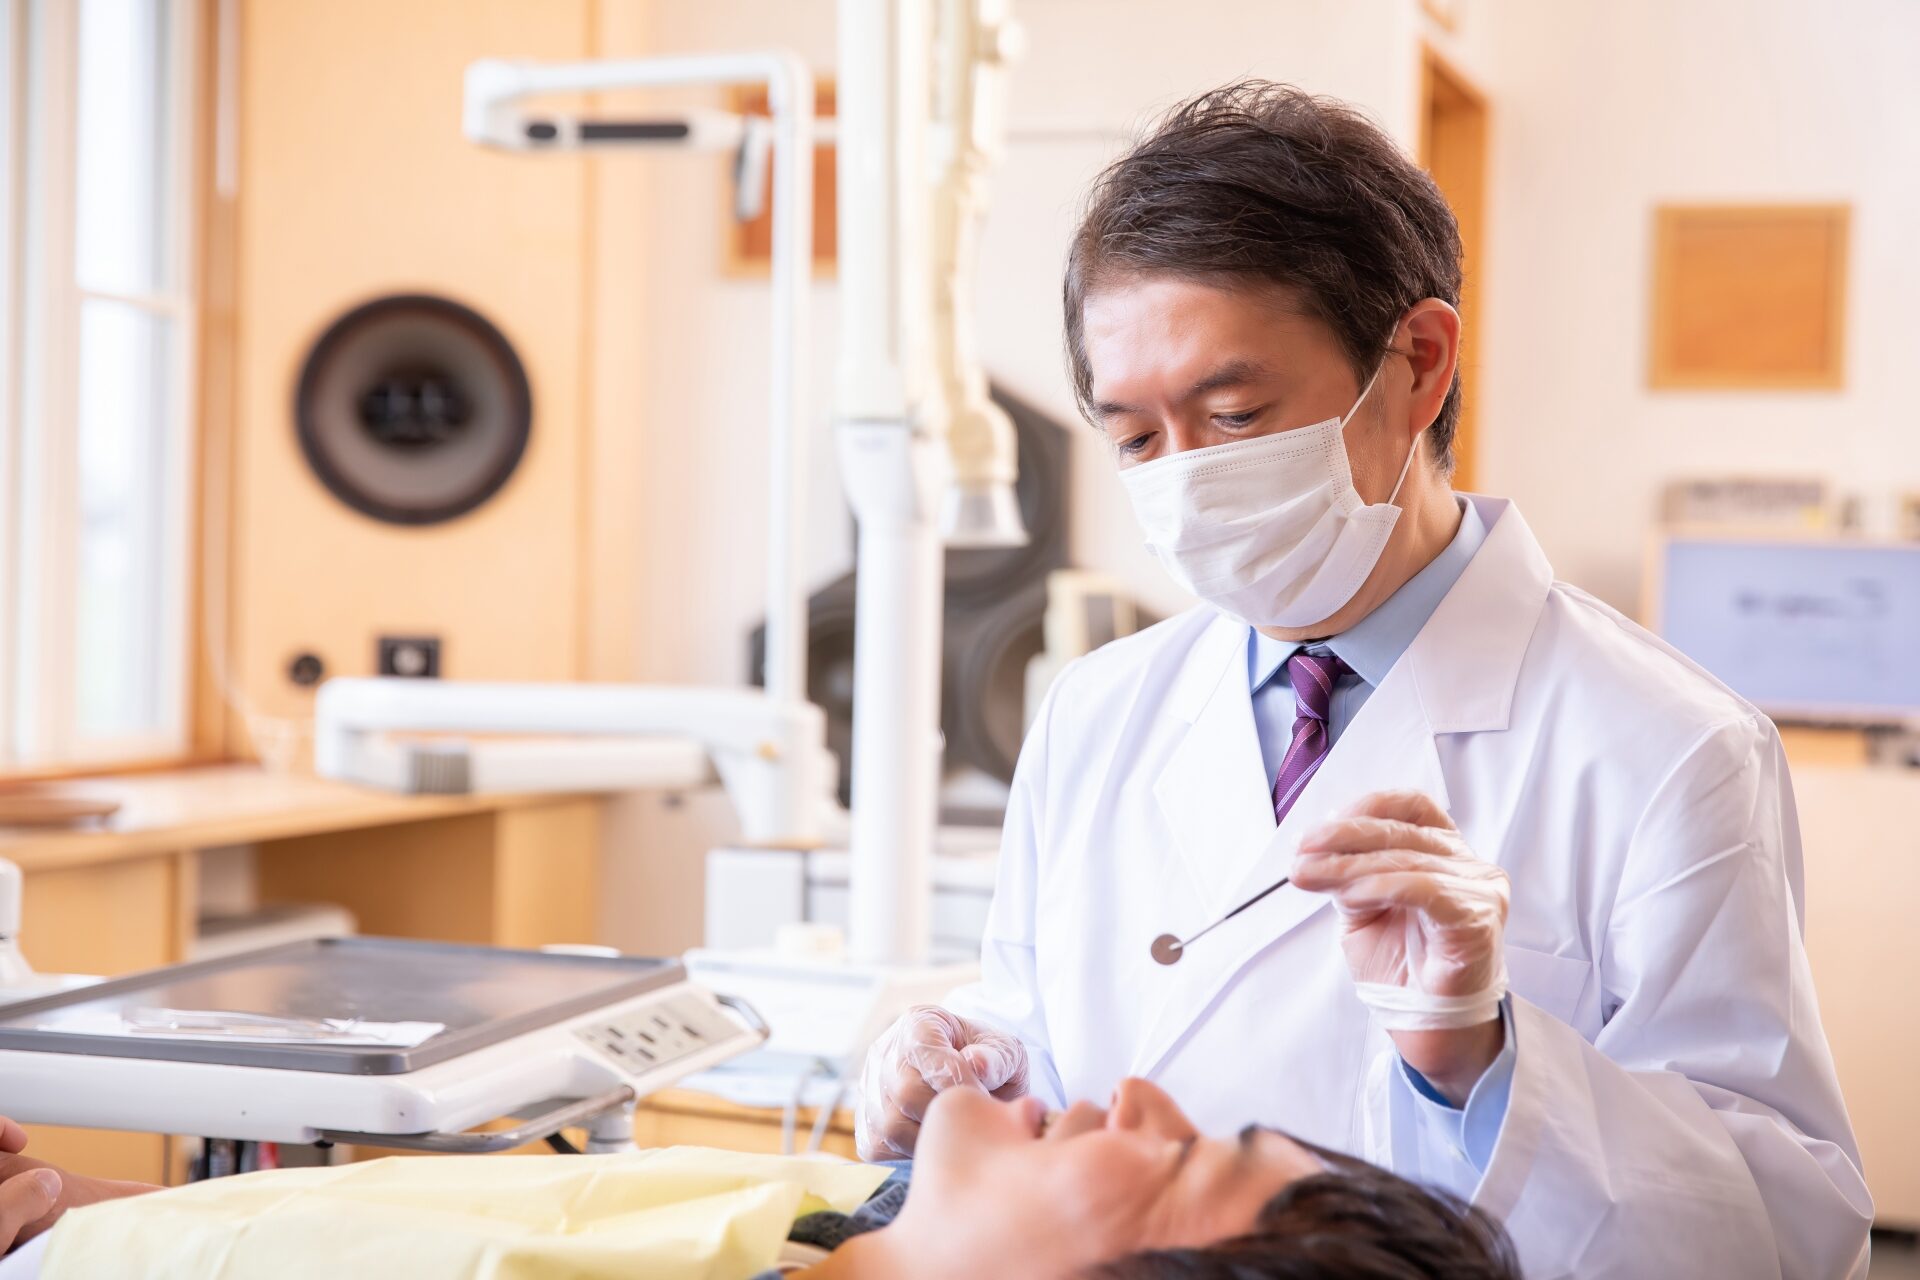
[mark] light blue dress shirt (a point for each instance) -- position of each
(1371, 647)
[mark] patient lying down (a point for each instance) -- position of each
(1126, 1192)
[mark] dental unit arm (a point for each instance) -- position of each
(767, 748)
(927, 459)
(770, 755)
(974, 41)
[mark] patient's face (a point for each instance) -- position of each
(1099, 1183)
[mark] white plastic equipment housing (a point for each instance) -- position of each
(265, 1104)
(769, 754)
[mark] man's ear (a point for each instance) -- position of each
(1429, 336)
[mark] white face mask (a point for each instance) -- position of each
(1270, 529)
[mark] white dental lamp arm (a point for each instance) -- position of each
(975, 40)
(770, 755)
(492, 112)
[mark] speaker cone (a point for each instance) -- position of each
(413, 409)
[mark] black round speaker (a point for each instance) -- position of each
(829, 669)
(984, 692)
(995, 610)
(986, 649)
(413, 409)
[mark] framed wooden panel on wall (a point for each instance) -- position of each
(1749, 297)
(749, 244)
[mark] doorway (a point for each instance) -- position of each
(1453, 148)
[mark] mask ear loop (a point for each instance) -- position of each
(1406, 466)
(1364, 393)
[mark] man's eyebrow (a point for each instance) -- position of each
(1251, 1133)
(1234, 373)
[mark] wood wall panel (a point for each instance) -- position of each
(1750, 296)
(679, 1117)
(749, 244)
(1862, 871)
(430, 879)
(102, 918)
(546, 874)
(356, 181)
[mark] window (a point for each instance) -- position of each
(97, 325)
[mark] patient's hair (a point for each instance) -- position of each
(1260, 183)
(1358, 1223)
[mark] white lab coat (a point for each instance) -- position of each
(1674, 1110)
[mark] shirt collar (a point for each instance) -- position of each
(1372, 645)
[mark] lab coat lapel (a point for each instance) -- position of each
(1458, 676)
(1466, 661)
(1213, 787)
(1387, 747)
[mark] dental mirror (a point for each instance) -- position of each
(1168, 949)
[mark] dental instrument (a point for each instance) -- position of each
(1168, 949)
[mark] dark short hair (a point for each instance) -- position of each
(1358, 1222)
(1260, 182)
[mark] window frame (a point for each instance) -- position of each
(44, 299)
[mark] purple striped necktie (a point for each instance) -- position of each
(1313, 676)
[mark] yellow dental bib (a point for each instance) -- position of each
(683, 1213)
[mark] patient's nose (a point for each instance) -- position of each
(1081, 1117)
(1144, 1106)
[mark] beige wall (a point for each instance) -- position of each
(1602, 110)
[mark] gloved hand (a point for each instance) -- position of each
(1422, 923)
(928, 1050)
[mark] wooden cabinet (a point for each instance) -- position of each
(681, 1117)
(1863, 879)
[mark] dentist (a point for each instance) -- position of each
(1542, 945)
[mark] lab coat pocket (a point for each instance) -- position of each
(1556, 984)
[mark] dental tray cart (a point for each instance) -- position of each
(279, 1045)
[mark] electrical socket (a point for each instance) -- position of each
(415, 657)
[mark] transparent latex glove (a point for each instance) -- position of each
(928, 1050)
(1421, 918)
